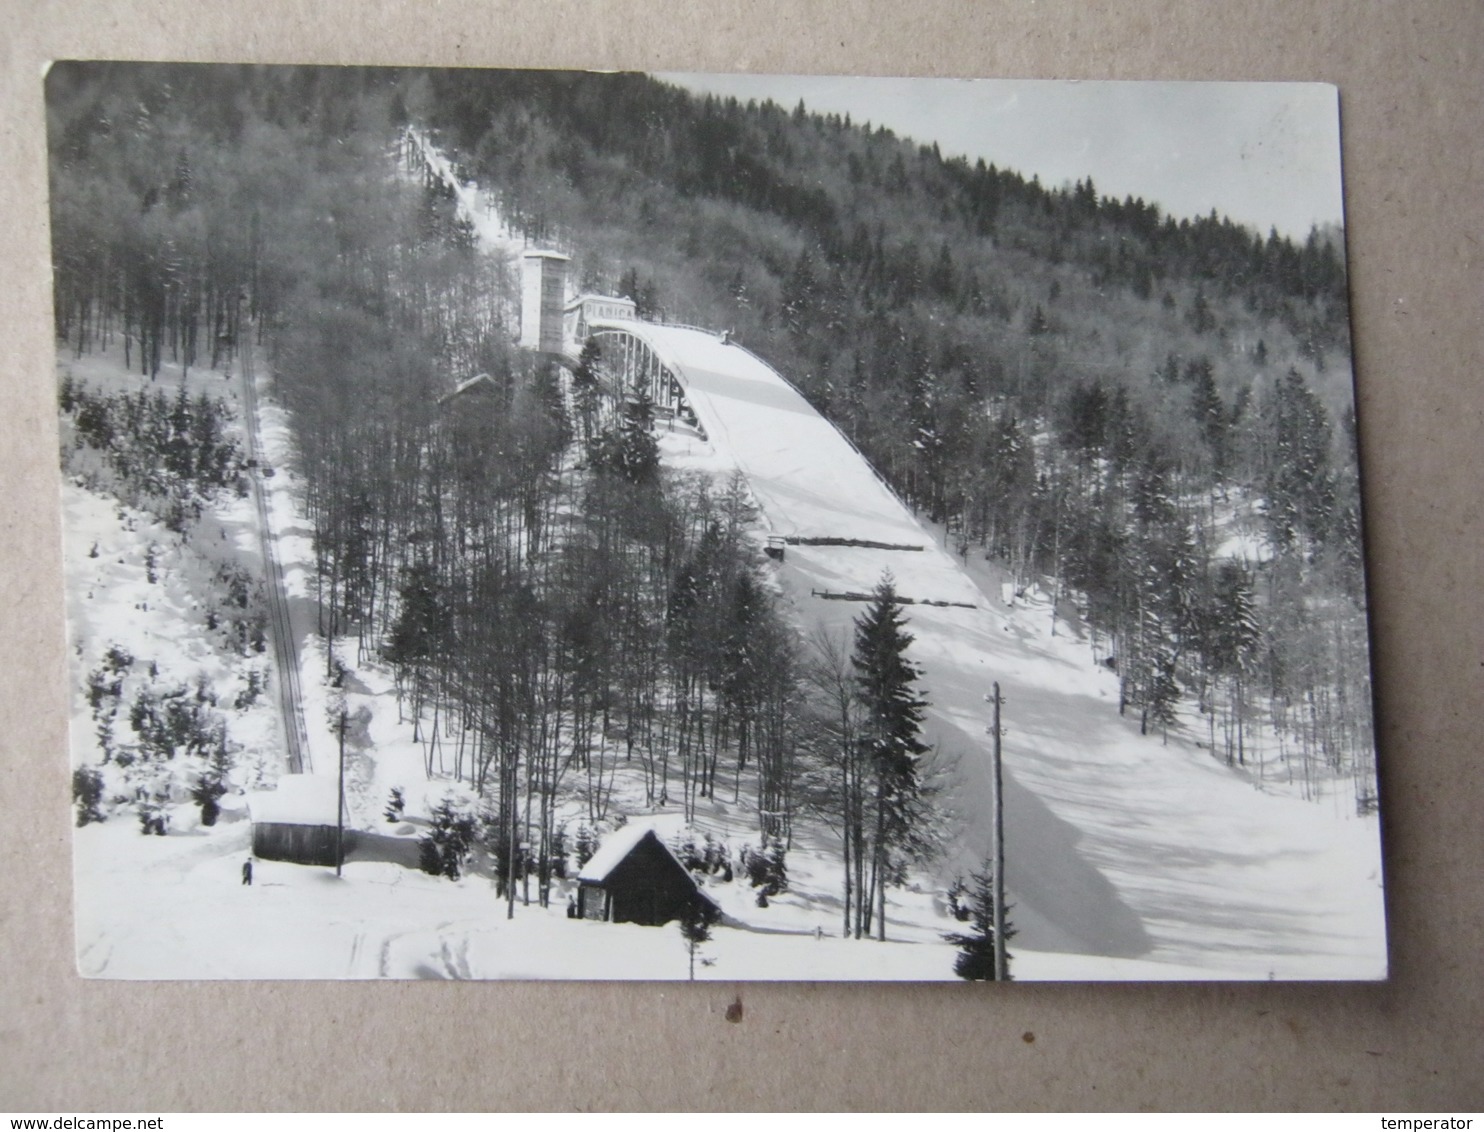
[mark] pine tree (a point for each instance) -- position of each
(1234, 637)
(422, 626)
(1163, 693)
(766, 868)
(586, 391)
(445, 848)
(799, 293)
(1301, 486)
(1211, 417)
(395, 805)
(212, 784)
(585, 845)
(87, 794)
(631, 451)
(695, 927)
(975, 960)
(886, 683)
(1169, 372)
(1200, 317)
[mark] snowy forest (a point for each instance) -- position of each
(1079, 386)
(1141, 423)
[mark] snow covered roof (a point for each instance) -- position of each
(615, 847)
(301, 799)
(594, 297)
(465, 386)
(538, 253)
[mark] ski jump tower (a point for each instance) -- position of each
(543, 300)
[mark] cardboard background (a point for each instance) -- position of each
(1411, 79)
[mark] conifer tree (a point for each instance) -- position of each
(695, 927)
(632, 451)
(586, 392)
(87, 794)
(887, 685)
(421, 626)
(975, 960)
(1301, 485)
(1234, 638)
(445, 847)
(1211, 417)
(1200, 317)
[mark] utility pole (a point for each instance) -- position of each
(512, 846)
(340, 802)
(997, 850)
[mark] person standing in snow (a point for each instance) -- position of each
(247, 872)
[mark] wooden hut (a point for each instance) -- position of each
(634, 878)
(297, 821)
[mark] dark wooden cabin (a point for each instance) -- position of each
(634, 878)
(297, 821)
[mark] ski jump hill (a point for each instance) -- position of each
(1117, 845)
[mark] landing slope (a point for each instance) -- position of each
(1118, 844)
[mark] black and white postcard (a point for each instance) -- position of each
(551, 525)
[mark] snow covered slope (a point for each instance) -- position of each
(1118, 845)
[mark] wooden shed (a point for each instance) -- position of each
(297, 821)
(634, 878)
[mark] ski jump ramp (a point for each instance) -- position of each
(808, 480)
(1117, 845)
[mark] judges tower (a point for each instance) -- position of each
(543, 300)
